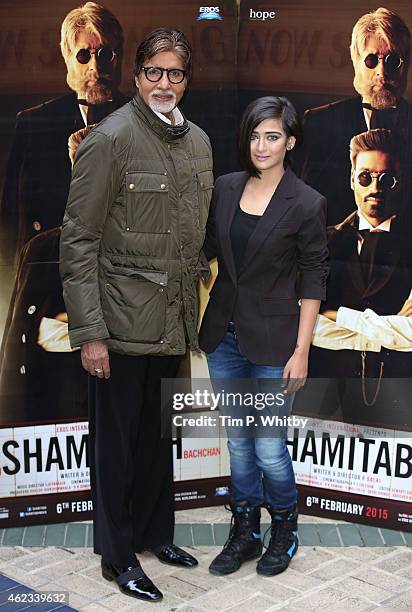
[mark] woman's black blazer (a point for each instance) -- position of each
(285, 260)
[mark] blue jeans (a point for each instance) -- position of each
(261, 468)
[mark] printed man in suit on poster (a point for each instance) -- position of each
(363, 339)
(41, 379)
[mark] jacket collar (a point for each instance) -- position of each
(280, 202)
(343, 249)
(355, 111)
(353, 120)
(286, 187)
(235, 190)
(161, 128)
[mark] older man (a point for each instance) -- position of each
(130, 245)
(40, 378)
(380, 52)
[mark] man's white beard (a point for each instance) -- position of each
(381, 98)
(100, 91)
(162, 107)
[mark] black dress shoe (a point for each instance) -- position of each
(173, 555)
(132, 581)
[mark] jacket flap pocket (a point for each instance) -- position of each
(279, 306)
(205, 178)
(140, 182)
(153, 276)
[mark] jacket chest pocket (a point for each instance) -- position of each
(147, 202)
(204, 190)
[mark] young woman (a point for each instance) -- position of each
(268, 232)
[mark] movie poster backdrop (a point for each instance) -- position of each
(44, 475)
(350, 464)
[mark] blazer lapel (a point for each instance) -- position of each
(385, 262)
(280, 202)
(70, 115)
(403, 119)
(355, 121)
(230, 202)
(386, 257)
(78, 122)
(346, 120)
(344, 250)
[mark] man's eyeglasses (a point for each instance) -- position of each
(154, 74)
(104, 55)
(386, 180)
(392, 61)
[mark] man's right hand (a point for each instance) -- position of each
(95, 358)
(330, 314)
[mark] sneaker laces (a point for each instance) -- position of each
(279, 536)
(237, 530)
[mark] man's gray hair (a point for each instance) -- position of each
(94, 20)
(159, 41)
(385, 26)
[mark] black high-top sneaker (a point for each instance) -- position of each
(243, 543)
(283, 542)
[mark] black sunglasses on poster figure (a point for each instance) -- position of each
(104, 55)
(386, 180)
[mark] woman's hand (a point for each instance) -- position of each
(295, 371)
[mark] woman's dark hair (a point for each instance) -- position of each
(268, 107)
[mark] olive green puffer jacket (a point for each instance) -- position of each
(132, 233)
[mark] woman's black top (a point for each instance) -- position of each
(242, 228)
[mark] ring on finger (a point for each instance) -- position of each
(98, 370)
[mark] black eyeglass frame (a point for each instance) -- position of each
(145, 69)
(386, 60)
(98, 53)
(381, 176)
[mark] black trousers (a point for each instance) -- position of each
(131, 466)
